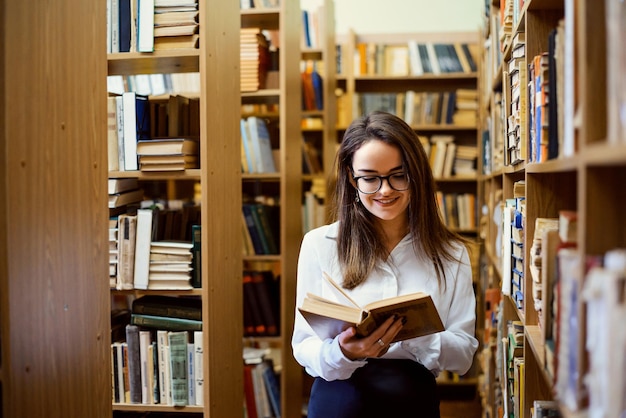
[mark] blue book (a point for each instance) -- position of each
(124, 25)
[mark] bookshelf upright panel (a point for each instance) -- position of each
(54, 324)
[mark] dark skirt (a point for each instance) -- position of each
(382, 388)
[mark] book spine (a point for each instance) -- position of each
(181, 312)
(134, 363)
(164, 368)
(164, 322)
(198, 346)
(196, 240)
(191, 378)
(178, 341)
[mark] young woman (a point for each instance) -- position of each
(389, 240)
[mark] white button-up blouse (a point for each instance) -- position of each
(404, 272)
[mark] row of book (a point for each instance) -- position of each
(261, 384)
(312, 87)
(414, 58)
(447, 158)
(149, 25)
(261, 303)
(260, 228)
(155, 84)
(152, 135)
(157, 352)
(458, 210)
(457, 107)
(513, 225)
(257, 155)
(140, 256)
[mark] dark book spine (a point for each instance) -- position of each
(166, 323)
(267, 301)
(134, 363)
(196, 240)
(251, 304)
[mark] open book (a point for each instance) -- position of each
(328, 318)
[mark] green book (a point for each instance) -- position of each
(166, 322)
(178, 341)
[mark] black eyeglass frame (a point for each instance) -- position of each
(380, 184)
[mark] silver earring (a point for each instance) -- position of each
(356, 199)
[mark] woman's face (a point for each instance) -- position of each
(377, 158)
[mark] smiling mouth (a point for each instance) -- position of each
(386, 201)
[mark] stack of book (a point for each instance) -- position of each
(172, 313)
(465, 161)
(170, 265)
(124, 191)
(466, 107)
(176, 24)
(168, 154)
(113, 253)
(254, 59)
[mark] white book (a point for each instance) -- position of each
(115, 26)
(198, 362)
(145, 26)
(163, 357)
(432, 56)
(119, 116)
(143, 241)
(130, 130)
(146, 387)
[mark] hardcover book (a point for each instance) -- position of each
(329, 318)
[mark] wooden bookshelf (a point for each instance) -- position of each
(218, 175)
(286, 186)
(583, 179)
(322, 137)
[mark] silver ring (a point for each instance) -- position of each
(381, 342)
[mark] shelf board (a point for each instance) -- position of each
(157, 408)
(190, 174)
(264, 18)
(158, 62)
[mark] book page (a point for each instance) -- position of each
(340, 291)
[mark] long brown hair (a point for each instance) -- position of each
(359, 243)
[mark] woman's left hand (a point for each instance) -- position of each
(374, 345)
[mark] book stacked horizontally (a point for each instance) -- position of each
(254, 59)
(176, 24)
(167, 312)
(124, 191)
(168, 154)
(170, 265)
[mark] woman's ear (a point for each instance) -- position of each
(350, 177)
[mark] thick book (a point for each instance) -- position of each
(121, 185)
(170, 306)
(165, 322)
(328, 318)
(168, 146)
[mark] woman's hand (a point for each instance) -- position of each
(374, 345)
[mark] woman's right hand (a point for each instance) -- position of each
(374, 345)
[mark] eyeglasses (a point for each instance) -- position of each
(371, 184)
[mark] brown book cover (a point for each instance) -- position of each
(328, 318)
